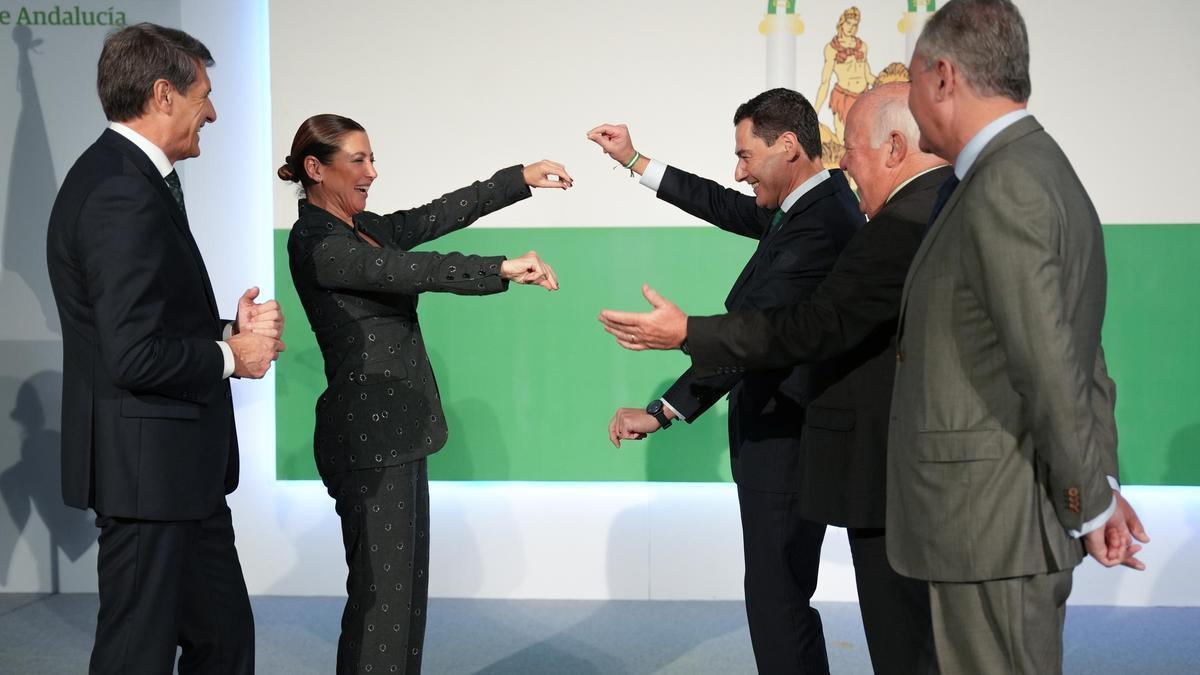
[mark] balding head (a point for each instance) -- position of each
(885, 109)
(881, 145)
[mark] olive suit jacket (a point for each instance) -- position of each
(1001, 428)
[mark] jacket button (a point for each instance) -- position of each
(899, 356)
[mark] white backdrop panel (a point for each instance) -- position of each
(451, 91)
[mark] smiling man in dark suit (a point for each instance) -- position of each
(802, 216)
(849, 323)
(148, 437)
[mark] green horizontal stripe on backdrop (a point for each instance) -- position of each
(529, 379)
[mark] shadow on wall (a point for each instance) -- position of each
(32, 483)
(31, 191)
(30, 444)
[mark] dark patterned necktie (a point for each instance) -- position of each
(176, 190)
(943, 196)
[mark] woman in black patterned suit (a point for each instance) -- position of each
(381, 414)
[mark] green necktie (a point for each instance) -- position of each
(176, 190)
(776, 219)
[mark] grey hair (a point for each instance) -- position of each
(135, 57)
(986, 40)
(893, 115)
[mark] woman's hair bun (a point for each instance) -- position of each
(285, 172)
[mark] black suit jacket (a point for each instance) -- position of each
(382, 406)
(766, 409)
(147, 429)
(849, 323)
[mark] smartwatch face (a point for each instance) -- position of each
(655, 407)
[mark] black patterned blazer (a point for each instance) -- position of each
(382, 406)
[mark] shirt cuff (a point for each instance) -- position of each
(670, 407)
(1114, 483)
(227, 354)
(227, 332)
(653, 175)
(1097, 522)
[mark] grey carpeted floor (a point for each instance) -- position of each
(52, 634)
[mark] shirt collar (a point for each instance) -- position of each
(979, 141)
(155, 153)
(911, 179)
(807, 185)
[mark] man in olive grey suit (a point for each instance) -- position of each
(1002, 432)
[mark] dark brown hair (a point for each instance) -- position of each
(135, 57)
(320, 136)
(780, 110)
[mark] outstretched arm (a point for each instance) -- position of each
(455, 210)
(708, 200)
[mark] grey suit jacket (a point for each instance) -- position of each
(1001, 428)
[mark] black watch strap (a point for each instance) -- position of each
(655, 409)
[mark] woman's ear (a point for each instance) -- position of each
(313, 167)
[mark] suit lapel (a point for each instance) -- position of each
(143, 164)
(1016, 130)
(806, 200)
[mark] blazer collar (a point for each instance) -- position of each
(827, 187)
(148, 148)
(932, 178)
(1022, 127)
(142, 163)
(820, 190)
(1018, 130)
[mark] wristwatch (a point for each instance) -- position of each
(655, 409)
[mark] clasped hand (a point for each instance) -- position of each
(529, 269)
(1112, 544)
(256, 331)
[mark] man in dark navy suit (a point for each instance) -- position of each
(849, 323)
(148, 438)
(802, 216)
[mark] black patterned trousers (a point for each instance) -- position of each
(385, 528)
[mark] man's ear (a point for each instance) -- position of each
(897, 145)
(791, 146)
(162, 97)
(948, 75)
